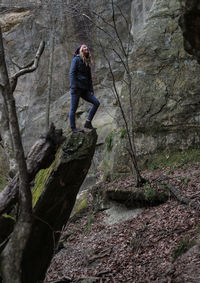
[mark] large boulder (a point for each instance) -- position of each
(54, 197)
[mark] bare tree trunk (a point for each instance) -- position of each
(7, 139)
(11, 256)
(50, 73)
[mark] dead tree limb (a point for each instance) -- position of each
(184, 200)
(132, 152)
(29, 68)
(40, 157)
(122, 51)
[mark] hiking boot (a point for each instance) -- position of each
(75, 130)
(88, 125)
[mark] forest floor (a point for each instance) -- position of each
(160, 244)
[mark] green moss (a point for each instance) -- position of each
(8, 216)
(186, 181)
(107, 176)
(3, 183)
(123, 133)
(173, 158)
(80, 206)
(183, 246)
(90, 220)
(109, 141)
(41, 178)
(153, 196)
(150, 194)
(40, 181)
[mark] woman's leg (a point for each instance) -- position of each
(75, 96)
(86, 95)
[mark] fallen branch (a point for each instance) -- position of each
(195, 194)
(178, 195)
(29, 68)
(104, 253)
(184, 200)
(104, 272)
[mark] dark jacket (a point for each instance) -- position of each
(80, 74)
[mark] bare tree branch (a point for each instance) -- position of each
(103, 30)
(123, 55)
(116, 30)
(31, 67)
(26, 66)
(104, 20)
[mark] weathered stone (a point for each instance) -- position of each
(137, 198)
(165, 84)
(55, 200)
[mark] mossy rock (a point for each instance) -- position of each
(169, 158)
(190, 239)
(54, 196)
(42, 177)
(183, 246)
(137, 197)
(81, 203)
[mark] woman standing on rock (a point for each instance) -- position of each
(81, 86)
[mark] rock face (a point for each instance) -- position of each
(165, 77)
(166, 107)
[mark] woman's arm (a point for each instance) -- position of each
(73, 73)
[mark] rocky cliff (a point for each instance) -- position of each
(166, 93)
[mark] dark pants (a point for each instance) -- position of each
(86, 95)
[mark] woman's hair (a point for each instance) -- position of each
(87, 60)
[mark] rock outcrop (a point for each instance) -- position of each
(166, 106)
(54, 200)
(165, 77)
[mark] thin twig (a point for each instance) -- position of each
(100, 28)
(116, 30)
